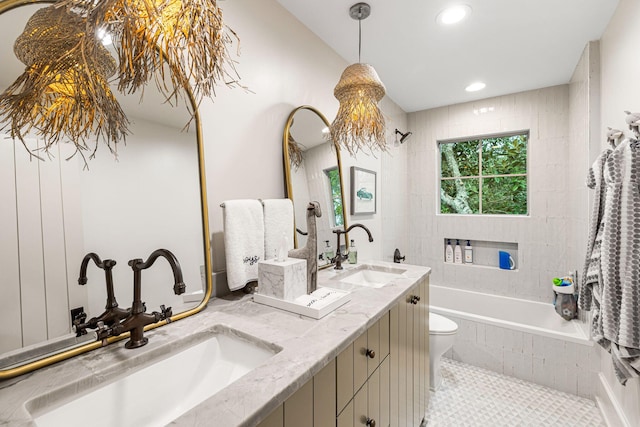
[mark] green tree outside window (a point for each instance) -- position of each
(336, 196)
(484, 175)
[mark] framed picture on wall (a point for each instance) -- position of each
(363, 191)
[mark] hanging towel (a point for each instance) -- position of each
(278, 220)
(243, 241)
(619, 296)
(591, 274)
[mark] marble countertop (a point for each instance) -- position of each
(307, 346)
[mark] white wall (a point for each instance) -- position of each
(620, 64)
(541, 236)
(394, 185)
(584, 145)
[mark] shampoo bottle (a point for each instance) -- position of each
(457, 253)
(448, 254)
(353, 253)
(468, 253)
(328, 252)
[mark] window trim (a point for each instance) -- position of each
(440, 178)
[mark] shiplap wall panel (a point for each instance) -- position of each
(73, 225)
(53, 243)
(10, 322)
(30, 249)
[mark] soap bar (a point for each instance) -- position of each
(286, 280)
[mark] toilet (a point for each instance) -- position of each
(442, 332)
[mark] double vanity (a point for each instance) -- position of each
(240, 363)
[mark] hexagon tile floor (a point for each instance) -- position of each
(475, 397)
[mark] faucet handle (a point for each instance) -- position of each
(165, 312)
(103, 332)
(78, 324)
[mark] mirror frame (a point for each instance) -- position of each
(287, 170)
(6, 6)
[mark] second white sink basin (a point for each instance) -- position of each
(161, 392)
(371, 276)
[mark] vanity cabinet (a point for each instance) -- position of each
(409, 357)
(313, 404)
(381, 377)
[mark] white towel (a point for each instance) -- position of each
(278, 220)
(243, 241)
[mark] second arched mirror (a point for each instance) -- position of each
(313, 172)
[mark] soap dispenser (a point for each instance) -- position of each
(468, 253)
(353, 253)
(457, 253)
(448, 255)
(328, 252)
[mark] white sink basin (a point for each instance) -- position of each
(371, 276)
(161, 392)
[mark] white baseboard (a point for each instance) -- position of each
(608, 404)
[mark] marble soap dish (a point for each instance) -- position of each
(315, 305)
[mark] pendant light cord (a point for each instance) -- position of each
(359, 39)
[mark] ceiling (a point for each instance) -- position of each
(511, 45)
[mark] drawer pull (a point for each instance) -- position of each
(414, 299)
(371, 354)
(371, 422)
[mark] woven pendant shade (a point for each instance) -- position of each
(63, 92)
(187, 34)
(359, 122)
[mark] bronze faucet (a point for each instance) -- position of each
(138, 319)
(113, 314)
(339, 257)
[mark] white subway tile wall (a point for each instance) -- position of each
(563, 365)
(541, 236)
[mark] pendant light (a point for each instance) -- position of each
(184, 39)
(359, 122)
(64, 92)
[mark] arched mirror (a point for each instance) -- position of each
(313, 172)
(57, 210)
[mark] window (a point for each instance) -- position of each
(336, 196)
(485, 175)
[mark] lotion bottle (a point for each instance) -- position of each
(468, 253)
(457, 253)
(353, 253)
(448, 255)
(328, 252)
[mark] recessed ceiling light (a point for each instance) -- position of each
(453, 14)
(474, 87)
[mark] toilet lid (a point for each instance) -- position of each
(441, 325)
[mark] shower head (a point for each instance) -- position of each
(403, 136)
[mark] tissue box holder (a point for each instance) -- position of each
(285, 280)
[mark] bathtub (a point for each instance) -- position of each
(520, 338)
(512, 313)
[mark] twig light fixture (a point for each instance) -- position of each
(359, 122)
(187, 35)
(64, 91)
